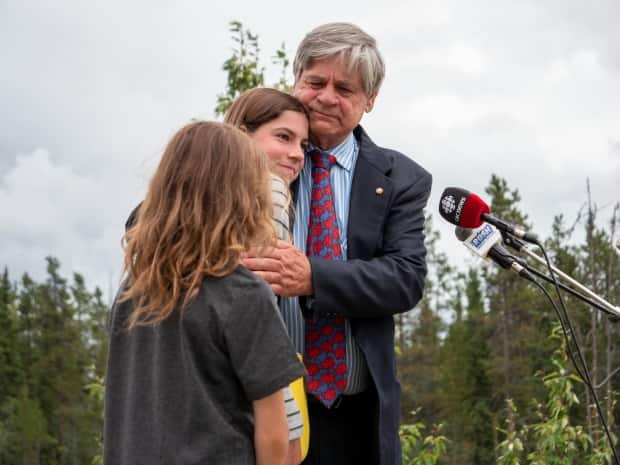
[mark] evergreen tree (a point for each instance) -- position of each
(466, 384)
(519, 318)
(52, 345)
(594, 264)
(453, 384)
(479, 430)
(597, 270)
(25, 430)
(421, 330)
(10, 360)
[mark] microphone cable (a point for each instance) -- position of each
(585, 375)
(561, 317)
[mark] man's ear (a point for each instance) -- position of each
(370, 103)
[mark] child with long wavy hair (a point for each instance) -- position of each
(198, 354)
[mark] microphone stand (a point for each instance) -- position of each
(519, 246)
(582, 368)
(568, 289)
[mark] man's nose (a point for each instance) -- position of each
(328, 96)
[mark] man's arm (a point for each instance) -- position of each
(388, 283)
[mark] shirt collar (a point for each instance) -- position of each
(344, 152)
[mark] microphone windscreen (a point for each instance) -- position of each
(462, 208)
(472, 211)
(462, 233)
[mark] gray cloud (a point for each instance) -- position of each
(526, 90)
(49, 209)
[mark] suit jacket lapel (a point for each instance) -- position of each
(371, 191)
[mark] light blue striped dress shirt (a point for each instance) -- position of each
(341, 176)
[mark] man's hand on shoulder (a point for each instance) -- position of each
(285, 268)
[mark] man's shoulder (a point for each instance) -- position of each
(392, 162)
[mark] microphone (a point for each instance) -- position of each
(485, 242)
(465, 209)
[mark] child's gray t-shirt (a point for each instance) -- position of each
(181, 392)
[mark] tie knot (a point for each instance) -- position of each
(322, 160)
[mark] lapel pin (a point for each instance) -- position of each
(379, 190)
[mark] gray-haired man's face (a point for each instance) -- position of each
(335, 100)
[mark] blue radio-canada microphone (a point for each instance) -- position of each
(485, 241)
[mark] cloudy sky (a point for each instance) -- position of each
(91, 91)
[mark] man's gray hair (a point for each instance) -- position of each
(358, 49)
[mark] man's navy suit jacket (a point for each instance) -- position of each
(384, 272)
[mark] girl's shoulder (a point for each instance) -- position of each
(278, 184)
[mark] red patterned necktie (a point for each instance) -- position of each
(325, 342)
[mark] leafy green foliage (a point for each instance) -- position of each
(243, 68)
(281, 59)
(556, 440)
(418, 449)
(510, 449)
(96, 391)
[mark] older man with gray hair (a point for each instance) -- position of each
(359, 255)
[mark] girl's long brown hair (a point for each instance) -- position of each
(260, 105)
(208, 201)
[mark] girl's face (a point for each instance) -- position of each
(284, 140)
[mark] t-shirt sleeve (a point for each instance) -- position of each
(259, 348)
(293, 415)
